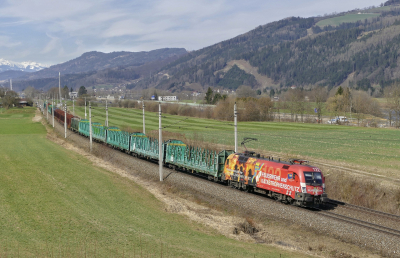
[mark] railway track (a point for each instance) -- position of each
(367, 210)
(361, 223)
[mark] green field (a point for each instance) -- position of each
(345, 19)
(55, 203)
(371, 147)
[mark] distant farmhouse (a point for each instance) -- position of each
(73, 94)
(167, 98)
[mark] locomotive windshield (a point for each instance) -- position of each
(313, 178)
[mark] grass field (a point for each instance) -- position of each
(371, 147)
(54, 203)
(345, 19)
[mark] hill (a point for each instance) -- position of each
(96, 61)
(94, 68)
(11, 74)
(300, 51)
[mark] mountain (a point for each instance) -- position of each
(94, 68)
(96, 61)
(11, 74)
(6, 65)
(358, 48)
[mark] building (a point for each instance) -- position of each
(73, 94)
(167, 98)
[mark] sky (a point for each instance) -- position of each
(52, 31)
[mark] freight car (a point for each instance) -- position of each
(59, 116)
(48, 107)
(294, 182)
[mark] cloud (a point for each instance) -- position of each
(52, 45)
(44, 10)
(56, 31)
(8, 42)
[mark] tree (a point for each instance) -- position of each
(272, 93)
(339, 91)
(53, 93)
(64, 92)
(265, 107)
(245, 92)
(155, 95)
(392, 95)
(10, 99)
(30, 92)
(340, 102)
(71, 90)
(2, 92)
(363, 104)
(82, 91)
(319, 96)
(209, 96)
(296, 102)
(217, 97)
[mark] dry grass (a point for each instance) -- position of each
(363, 191)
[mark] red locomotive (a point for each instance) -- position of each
(293, 182)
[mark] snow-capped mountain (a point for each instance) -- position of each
(6, 65)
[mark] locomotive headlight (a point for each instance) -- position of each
(303, 190)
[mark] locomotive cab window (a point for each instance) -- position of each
(313, 178)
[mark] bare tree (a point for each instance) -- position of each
(245, 92)
(319, 96)
(31, 92)
(392, 95)
(265, 106)
(296, 103)
(53, 93)
(363, 104)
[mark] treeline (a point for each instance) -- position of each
(249, 109)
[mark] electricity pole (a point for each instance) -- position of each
(235, 125)
(85, 107)
(90, 126)
(160, 153)
(59, 85)
(65, 120)
(106, 114)
(144, 126)
(52, 110)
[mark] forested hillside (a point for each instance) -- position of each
(296, 51)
